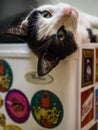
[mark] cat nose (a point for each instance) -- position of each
(68, 11)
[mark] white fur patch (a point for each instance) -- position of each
(50, 26)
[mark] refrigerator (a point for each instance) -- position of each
(64, 99)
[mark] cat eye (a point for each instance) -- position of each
(61, 34)
(46, 14)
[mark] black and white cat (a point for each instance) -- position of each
(54, 32)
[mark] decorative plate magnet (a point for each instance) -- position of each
(87, 67)
(2, 120)
(6, 76)
(47, 109)
(17, 106)
(11, 127)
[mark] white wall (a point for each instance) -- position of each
(89, 6)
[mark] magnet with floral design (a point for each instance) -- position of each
(47, 109)
(11, 127)
(17, 106)
(6, 76)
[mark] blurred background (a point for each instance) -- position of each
(12, 12)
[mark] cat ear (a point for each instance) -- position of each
(16, 31)
(46, 63)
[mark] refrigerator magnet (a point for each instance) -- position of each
(47, 109)
(11, 127)
(32, 77)
(6, 76)
(87, 67)
(17, 106)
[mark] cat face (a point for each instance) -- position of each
(49, 19)
(49, 32)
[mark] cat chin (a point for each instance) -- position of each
(46, 63)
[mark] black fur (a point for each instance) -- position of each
(91, 35)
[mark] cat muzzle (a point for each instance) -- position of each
(69, 11)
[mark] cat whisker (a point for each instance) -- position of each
(31, 7)
(44, 47)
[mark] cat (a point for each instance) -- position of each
(54, 32)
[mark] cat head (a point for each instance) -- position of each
(49, 31)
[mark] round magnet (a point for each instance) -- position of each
(11, 127)
(17, 106)
(32, 77)
(6, 76)
(47, 109)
